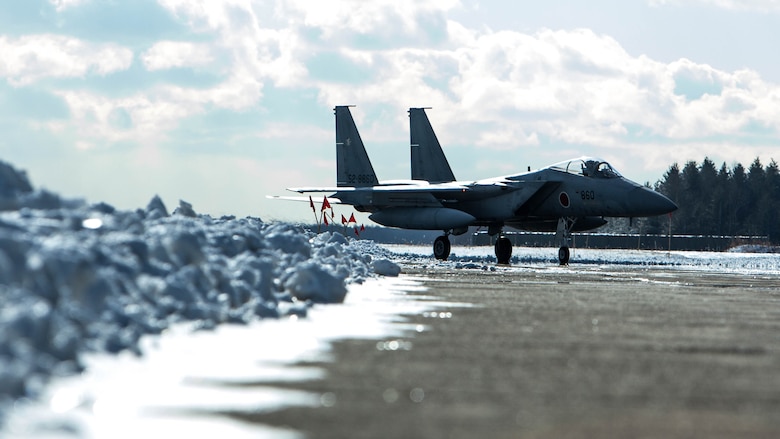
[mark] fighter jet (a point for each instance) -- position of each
(569, 196)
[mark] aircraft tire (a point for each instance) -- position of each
(503, 249)
(441, 248)
(563, 255)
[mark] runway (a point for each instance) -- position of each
(560, 352)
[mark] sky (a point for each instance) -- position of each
(222, 102)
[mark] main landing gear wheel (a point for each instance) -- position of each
(503, 250)
(563, 255)
(441, 248)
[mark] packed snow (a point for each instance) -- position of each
(77, 278)
(184, 374)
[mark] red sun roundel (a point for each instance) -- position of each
(564, 199)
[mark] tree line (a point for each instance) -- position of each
(726, 201)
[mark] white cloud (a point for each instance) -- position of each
(205, 15)
(30, 58)
(286, 130)
(176, 54)
(337, 16)
(250, 46)
(508, 90)
(243, 55)
(238, 92)
(92, 117)
(545, 77)
(570, 86)
(147, 117)
(61, 5)
(747, 5)
(519, 89)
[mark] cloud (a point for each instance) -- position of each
(240, 54)
(694, 80)
(494, 89)
(176, 54)
(746, 5)
(519, 89)
(493, 92)
(204, 15)
(381, 17)
(570, 86)
(61, 5)
(147, 117)
(240, 39)
(30, 58)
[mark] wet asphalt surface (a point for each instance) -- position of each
(560, 352)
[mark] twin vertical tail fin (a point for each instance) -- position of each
(353, 168)
(428, 160)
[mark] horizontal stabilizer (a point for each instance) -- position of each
(302, 199)
(390, 188)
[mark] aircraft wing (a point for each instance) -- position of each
(389, 195)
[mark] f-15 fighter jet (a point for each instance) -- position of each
(569, 196)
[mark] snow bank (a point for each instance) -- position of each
(755, 248)
(76, 277)
(482, 258)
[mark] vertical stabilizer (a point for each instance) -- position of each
(428, 160)
(353, 168)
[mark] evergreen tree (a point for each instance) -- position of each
(724, 227)
(726, 201)
(708, 199)
(768, 202)
(691, 197)
(739, 206)
(729, 202)
(755, 187)
(671, 186)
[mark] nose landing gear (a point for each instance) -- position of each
(563, 255)
(563, 235)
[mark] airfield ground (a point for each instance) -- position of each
(562, 352)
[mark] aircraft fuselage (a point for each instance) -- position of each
(531, 198)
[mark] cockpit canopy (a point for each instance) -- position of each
(587, 167)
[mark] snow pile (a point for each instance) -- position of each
(76, 278)
(16, 192)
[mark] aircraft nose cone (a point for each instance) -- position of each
(650, 202)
